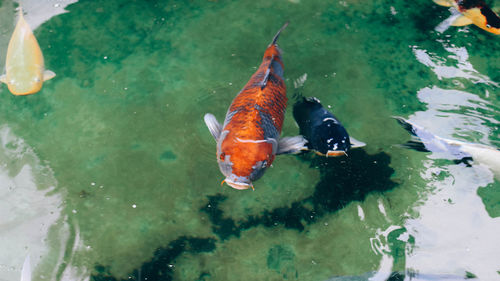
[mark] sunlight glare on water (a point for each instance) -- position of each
(454, 233)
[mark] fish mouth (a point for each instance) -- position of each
(238, 185)
(335, 153)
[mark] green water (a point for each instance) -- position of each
(117, 146)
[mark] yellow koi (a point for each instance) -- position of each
(24, 66)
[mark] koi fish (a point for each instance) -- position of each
(249, 139)
(323, 131)
(473, 12)
(24, 66)
(451, 149)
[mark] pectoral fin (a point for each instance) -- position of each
(461, 21)
(213, 125)
(3, 78)
(356, 143)
(445, 3)
(292, 145)
(48, 74)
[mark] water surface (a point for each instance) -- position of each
(109, 173)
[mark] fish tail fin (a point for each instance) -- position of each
(298, 86)
(20, 13)
(299, 82)
(405, 124)
(272, 56)
(312, 100)
(415, 145)
(275, 38)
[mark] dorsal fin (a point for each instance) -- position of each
(266, 76)
(275, 38)
(270, 63)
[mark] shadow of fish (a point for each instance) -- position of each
(24, 67)
(472, 12)
(249, 139)
(323, 131)
(425, 141)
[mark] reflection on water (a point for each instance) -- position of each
(455, 114)
(38, 12)
(380, 246)
(453, 232)
(458, 56)
(31, 221)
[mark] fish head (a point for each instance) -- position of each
(243, 162)
(337, 146)
(493, 29)
(24, 83)
(490, 23)
(335, 153)
(330, 138)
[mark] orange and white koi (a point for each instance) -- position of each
(473, 12)
(24, 66)
(249, 139)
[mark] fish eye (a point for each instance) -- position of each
(222, 156)
(37, 79)
(488, 26)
